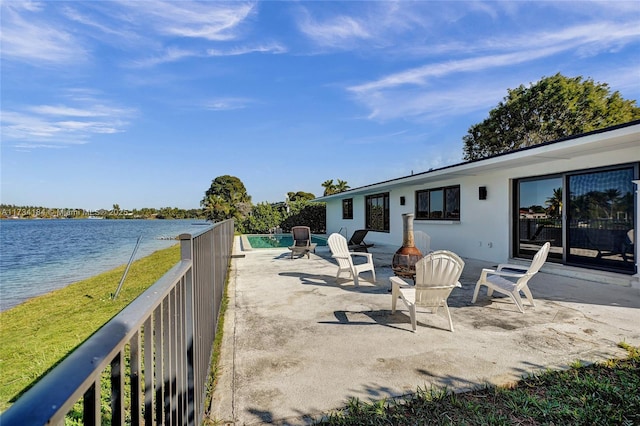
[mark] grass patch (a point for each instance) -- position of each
(214, 368)
(39, 333)
(604, 393)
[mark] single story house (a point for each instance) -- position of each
(579, 193)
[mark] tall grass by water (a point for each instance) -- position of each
(39, 333)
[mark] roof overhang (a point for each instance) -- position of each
(606, 140)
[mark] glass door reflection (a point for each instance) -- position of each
(601, 219)
(539, 221)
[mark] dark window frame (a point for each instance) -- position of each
(372, 203)
(347, 208)
(446, 197)
(571, 229)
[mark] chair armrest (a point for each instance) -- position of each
(523, 268)
(505, 274)
(367, 255)
(399, 282)
(340, 256)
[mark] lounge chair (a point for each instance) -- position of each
(437, 274)
(302, 241)
(512, 279)
(357, 243)
(340, 252)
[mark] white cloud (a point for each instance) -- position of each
(420, 76)
(41, 126)
(215, 21)
(30, 39)
(418, 92)
(68, 31)
(275, 48)
(226, 104)
(170, 54)
(334, 32)
(62, 110)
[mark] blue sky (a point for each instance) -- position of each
(144, 103)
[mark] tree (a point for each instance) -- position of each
(226, 198)
(263, 217)
(305, 213)
(329, 187)
(555, 203)
(553, 108)
(332, 188)
(300, 195)
(342, 186)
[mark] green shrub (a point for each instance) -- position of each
(305, 213)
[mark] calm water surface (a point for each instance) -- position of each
(38, 256)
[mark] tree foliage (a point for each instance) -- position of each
(226, 198)
(300, 195)
(553, 108)
(305, 213)
(263, 218)
(334, 188)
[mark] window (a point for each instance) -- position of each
(377, 212)
(347, 208)
(438, 203)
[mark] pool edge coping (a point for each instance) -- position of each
(245, 245)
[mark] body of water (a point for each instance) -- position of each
(38, 256)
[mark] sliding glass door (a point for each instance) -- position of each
(587, 216)
(600, 217)
(539, 216)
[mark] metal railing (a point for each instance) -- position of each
(152, 360)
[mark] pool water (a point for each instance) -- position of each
(279, 240)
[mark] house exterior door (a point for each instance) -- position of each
(587, 216)
(600, 216)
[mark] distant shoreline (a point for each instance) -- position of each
(13, 212)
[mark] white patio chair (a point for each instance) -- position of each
(437, 274)
(423, 242)
(512, 279)
(340, 252)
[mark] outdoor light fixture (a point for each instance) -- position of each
(482, 193)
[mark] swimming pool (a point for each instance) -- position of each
(257, 241)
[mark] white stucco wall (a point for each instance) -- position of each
(484, 229)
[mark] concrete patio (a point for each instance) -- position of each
(297, 344)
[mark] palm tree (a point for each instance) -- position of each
(341, 186)
(555, 203)
(329, 187)
(612, 197)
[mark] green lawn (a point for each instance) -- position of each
(37, 334)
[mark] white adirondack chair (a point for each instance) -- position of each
(512, 279)
(340, 252)
(423, 242)
(437, 274)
